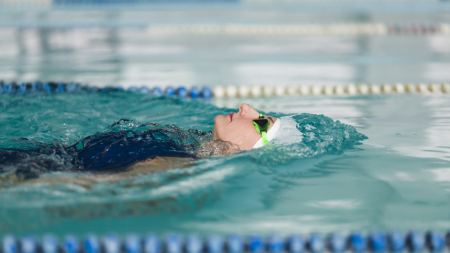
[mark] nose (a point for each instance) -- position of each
(245, 110)
(243, 107)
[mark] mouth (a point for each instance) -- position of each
(230, 116)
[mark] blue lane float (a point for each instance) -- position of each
(315, 244)
(91, 244)
(38, 87)
(151, 244)
(157, 91)
(23, 88)
(432, 241)
(49, 244)
(336, 243)
(169, 91)
(357, 242)
(295, 244)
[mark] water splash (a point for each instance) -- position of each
(321, 135)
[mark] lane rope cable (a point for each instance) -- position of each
(230, 91)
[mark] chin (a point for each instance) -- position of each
(219, 119)
(216, 122)
(219, 122)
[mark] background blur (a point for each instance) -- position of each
(203, 42)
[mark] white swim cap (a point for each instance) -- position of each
(283, 131)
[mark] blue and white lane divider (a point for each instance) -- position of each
(231, 91)
(38, 87)
(431, 241)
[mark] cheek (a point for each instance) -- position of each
(233, 132)
(219, 126)
(223, 129)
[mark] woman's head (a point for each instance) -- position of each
(237, 128)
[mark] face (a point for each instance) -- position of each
(237, 127)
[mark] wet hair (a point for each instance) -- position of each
(217, 148)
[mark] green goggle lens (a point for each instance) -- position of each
(262, 126)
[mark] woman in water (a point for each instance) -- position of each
(148, 147)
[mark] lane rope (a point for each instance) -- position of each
(415, 241)
(306, 29)
(231, 91)
(292, 29)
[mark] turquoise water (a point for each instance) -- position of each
(397, 179)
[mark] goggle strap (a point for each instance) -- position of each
(256, 126)
(264, 138)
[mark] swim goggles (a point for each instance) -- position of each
(261, 125)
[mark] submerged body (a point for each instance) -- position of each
(87, 178)
(109, 151)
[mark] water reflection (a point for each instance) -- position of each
(88, 47)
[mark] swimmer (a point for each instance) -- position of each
(244, 130)
(149, 147)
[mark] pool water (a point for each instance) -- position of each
(398, 178)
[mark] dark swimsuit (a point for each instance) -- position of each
(107, 151)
